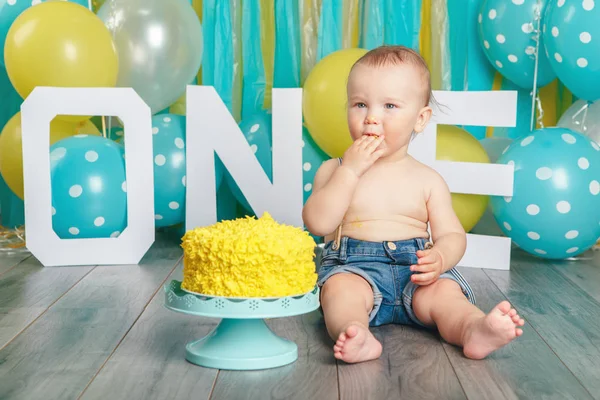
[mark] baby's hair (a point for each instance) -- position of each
(395, 55)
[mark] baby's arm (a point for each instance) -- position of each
(334, 185)
(333, 188)
(448, 235)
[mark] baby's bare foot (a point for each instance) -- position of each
(493, 331)
(356, 344)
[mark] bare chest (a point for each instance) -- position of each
(393, 193)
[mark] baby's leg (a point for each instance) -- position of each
(346, 300)
(459, 322)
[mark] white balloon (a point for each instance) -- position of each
(159, 44)
(583, 117)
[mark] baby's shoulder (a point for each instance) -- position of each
(325, 171)
(429, 177)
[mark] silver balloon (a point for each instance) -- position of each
(159, 44)
(583, 117)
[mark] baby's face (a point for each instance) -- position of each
(386, 100)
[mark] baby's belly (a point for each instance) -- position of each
(383, 230)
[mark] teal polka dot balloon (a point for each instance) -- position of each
(257, 130)
(168, 143)
(572, 39)
(508, 35)
(89, 191)
(555, 208)
(312, 158)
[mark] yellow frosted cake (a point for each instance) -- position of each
(248, 257)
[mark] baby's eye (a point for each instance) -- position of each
(390, 106)
(361, 105)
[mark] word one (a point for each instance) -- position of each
(211, 129)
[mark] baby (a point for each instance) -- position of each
(373, 206)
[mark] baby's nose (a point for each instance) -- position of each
(371, 120)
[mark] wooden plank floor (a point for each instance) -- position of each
(102, 332)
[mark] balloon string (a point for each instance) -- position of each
(534, 97)
(586, 108)
(104, 126)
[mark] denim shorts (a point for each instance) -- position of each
(386, 267)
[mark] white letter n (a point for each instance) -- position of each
(211, 128)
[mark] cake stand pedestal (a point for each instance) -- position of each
(242, 341)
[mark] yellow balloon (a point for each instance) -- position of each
(86, 127)
(11, 148)
(456, 144)
(324, 101)
(61, 44)
(179, 106)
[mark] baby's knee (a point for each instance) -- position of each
(348, 288)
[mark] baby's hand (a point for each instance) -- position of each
(362, 154)
(430, 266)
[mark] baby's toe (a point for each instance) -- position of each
(337, 349)
(512, 312)
(519, 332)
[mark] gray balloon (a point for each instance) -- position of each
(583, 117)
(159, 43)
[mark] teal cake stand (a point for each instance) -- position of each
(242, 341)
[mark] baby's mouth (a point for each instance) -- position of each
(371, 134)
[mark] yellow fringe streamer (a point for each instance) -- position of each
(310, 13)
(267, 36)
(425, 32)
(548, 95)
(197, 5)
(350, 18)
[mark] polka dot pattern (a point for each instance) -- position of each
(533, 235)
(594, 188)
(160, 160)
(568, 138)
(533, 209)
(543, 173)
(508, 39)
(75, 191)
(170, 170)
(563, 207)
(554, 211)
(91, 156)
(92, 202)
(571, 234)
(571, 29)
(585, 37)
(527, 141)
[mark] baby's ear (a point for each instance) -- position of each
(423, 119)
